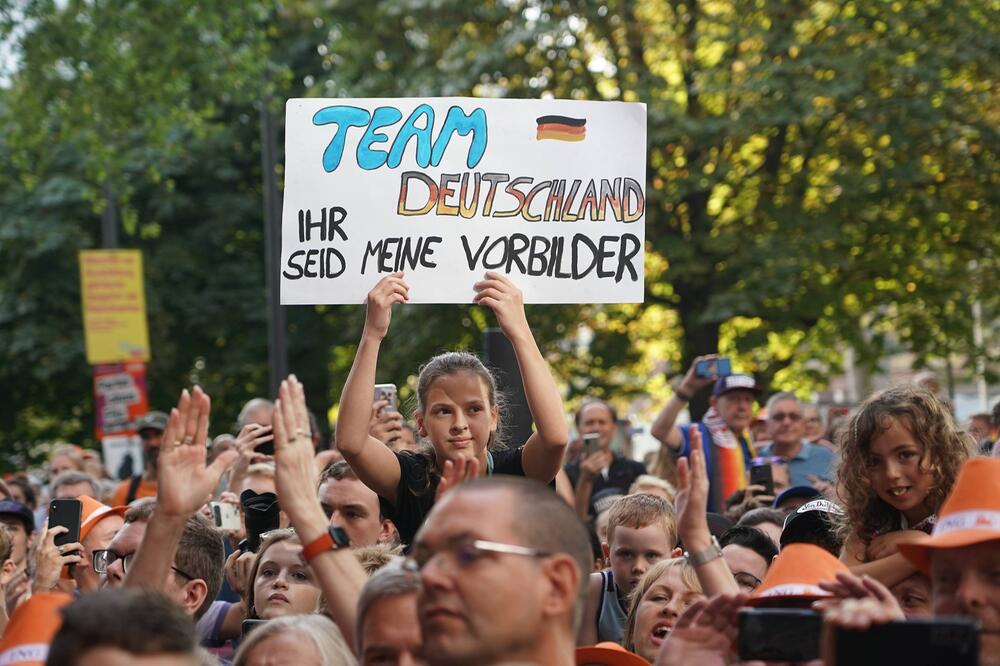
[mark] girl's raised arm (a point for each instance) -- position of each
(370, 459)
(544, 450)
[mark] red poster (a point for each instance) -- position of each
(120, 398)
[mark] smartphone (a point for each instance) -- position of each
(780, 634)
(226, 516)
(762, 475)
(386, 392)
(917, 642)
(250, 625)
(713, 367)
(591, 442)
(66, 512)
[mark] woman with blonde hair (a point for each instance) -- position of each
(280, 584)
(303, 640)
(659, 598)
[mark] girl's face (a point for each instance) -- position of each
(897, 472)
(659, 609)
(458, 417)
(284, 586)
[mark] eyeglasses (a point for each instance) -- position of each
(462, 555)
(105, 558)
(785, 416)
(747, 581)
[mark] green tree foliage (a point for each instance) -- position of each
(819, 172)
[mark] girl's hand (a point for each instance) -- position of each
(505, 299)
(389, 291)
(885, 545)
(50, 559)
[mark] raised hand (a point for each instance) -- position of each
(296, 476)
(591, 465)
(704, 633)
(184, 481)
(503, 297)
(389, 291)
(251, 436)
(848, 586)
(692, 383)
(385, 425)
(691, 500)
(50, 559)
(455, 472)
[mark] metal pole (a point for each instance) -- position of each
(109, 218)
(277, 352)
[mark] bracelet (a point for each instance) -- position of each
(713, 552)
(681, 395)
(333, 539)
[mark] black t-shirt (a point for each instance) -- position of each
(416, 490)
(621, 474)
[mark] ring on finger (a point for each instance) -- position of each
(188, 439)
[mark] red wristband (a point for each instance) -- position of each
(333, 539)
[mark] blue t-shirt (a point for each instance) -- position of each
(811, 459)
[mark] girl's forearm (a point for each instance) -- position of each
(541, 392)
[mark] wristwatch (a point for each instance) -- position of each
(333, 539)
(713, 552)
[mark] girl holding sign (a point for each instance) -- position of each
(457, 411)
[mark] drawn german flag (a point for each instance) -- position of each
(561, 128)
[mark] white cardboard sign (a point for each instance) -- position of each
(549, 192)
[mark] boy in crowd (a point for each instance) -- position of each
(642, 529)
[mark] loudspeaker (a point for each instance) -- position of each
(498, 355)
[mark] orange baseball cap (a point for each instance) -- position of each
(607, 654)
(31, 629)
(94, 512)
(969, 516)
(796, 573)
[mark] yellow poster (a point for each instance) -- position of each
(114, 306)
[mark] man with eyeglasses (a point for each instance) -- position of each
(808, 464)
(196, 573)
(748, 553)
(503, 566)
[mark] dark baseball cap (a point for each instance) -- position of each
(151, 421)
(19, 511)
(805, 492)
(603, 499)
(735, 383)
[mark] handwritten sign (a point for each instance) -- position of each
(550, 192)
(120, 398)
(114, 306)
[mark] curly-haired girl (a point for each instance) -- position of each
(900, 455)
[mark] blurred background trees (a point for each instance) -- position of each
(821, 176)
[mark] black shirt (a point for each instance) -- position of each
(417, 487)
(622, 473)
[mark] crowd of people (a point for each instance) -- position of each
(750, 537)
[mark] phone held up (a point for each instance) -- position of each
(762, 475)
(713, 367)
(226, 516)
(386, 392)
(591, 443)
(66, 513)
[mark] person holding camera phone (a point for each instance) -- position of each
(600, 468)
(724, 427)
